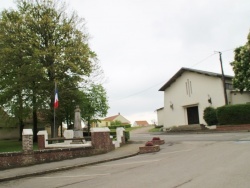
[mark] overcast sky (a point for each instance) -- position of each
(142, 43)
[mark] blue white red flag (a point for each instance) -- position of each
(56, 103)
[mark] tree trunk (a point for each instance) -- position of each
(88, 126)
(21, 126)
(34, 125)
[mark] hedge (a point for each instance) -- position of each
(209, 115)
(115, 126)
(233, 114)
(127, 135)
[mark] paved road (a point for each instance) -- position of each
(186, 161)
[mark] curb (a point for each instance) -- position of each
(202, 132)
(64, 168)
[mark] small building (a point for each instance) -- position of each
(160, 116)
(107, 121)
(140, 123)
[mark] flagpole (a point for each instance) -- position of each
(54, 128)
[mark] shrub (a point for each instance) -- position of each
(127, 135)
(127, 126)
(115, 126)
(234, 114)
(112, 133)
(209, 115)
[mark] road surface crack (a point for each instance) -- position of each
(183, 183)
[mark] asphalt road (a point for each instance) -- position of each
(185, 160)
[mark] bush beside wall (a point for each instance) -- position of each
(233, 114)
(127, 134)
(115, 126)
(210, 116)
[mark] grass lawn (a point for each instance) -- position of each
(12, 146)
(155, 130)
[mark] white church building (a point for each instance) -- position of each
(190, 91)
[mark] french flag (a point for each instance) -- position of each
(56, 103)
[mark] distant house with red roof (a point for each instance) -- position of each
(141, 123)
(107, 121)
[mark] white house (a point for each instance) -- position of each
(190, 91)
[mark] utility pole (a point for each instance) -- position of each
(223, 80)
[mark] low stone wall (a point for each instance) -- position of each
(102, 143)
(158, 142)
(244, 127)
(149, 149)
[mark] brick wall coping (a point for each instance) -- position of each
(64, 145)
(100, 129)
(27, 132)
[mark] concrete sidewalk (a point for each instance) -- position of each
(128, 150)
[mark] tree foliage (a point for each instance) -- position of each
(39, 45)
(241, 67)
(94, 103)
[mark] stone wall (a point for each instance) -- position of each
(101, 143)
(149, 149)
(243, 127)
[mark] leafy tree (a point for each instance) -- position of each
(41, 44)
(95, 104)
(14, 53)
(241, 67)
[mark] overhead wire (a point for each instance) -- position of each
(197, 63)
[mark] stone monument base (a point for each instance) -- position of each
(78, 134)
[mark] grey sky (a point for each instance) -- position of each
(142, 43)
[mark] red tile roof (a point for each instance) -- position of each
(142, 123)
(111, 118)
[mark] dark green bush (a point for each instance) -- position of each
(127, 135)
(234, 114)
(113, 133)
(209, 115)
(124, 126)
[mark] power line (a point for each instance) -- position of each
(204, 59)
(140, 91)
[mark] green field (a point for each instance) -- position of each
(12, 146)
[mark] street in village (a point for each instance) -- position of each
(185, 160)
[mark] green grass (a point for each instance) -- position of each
(12, 146)
(132, 128)
(155, 130)
(127, 129)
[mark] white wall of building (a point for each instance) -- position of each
(122, 119)
(238, 98)
(160, 116)
(191, 89)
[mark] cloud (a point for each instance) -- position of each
(142, 43)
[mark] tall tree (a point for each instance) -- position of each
(46, 45)
(241, 67)
(14, 65)
(94, 104)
